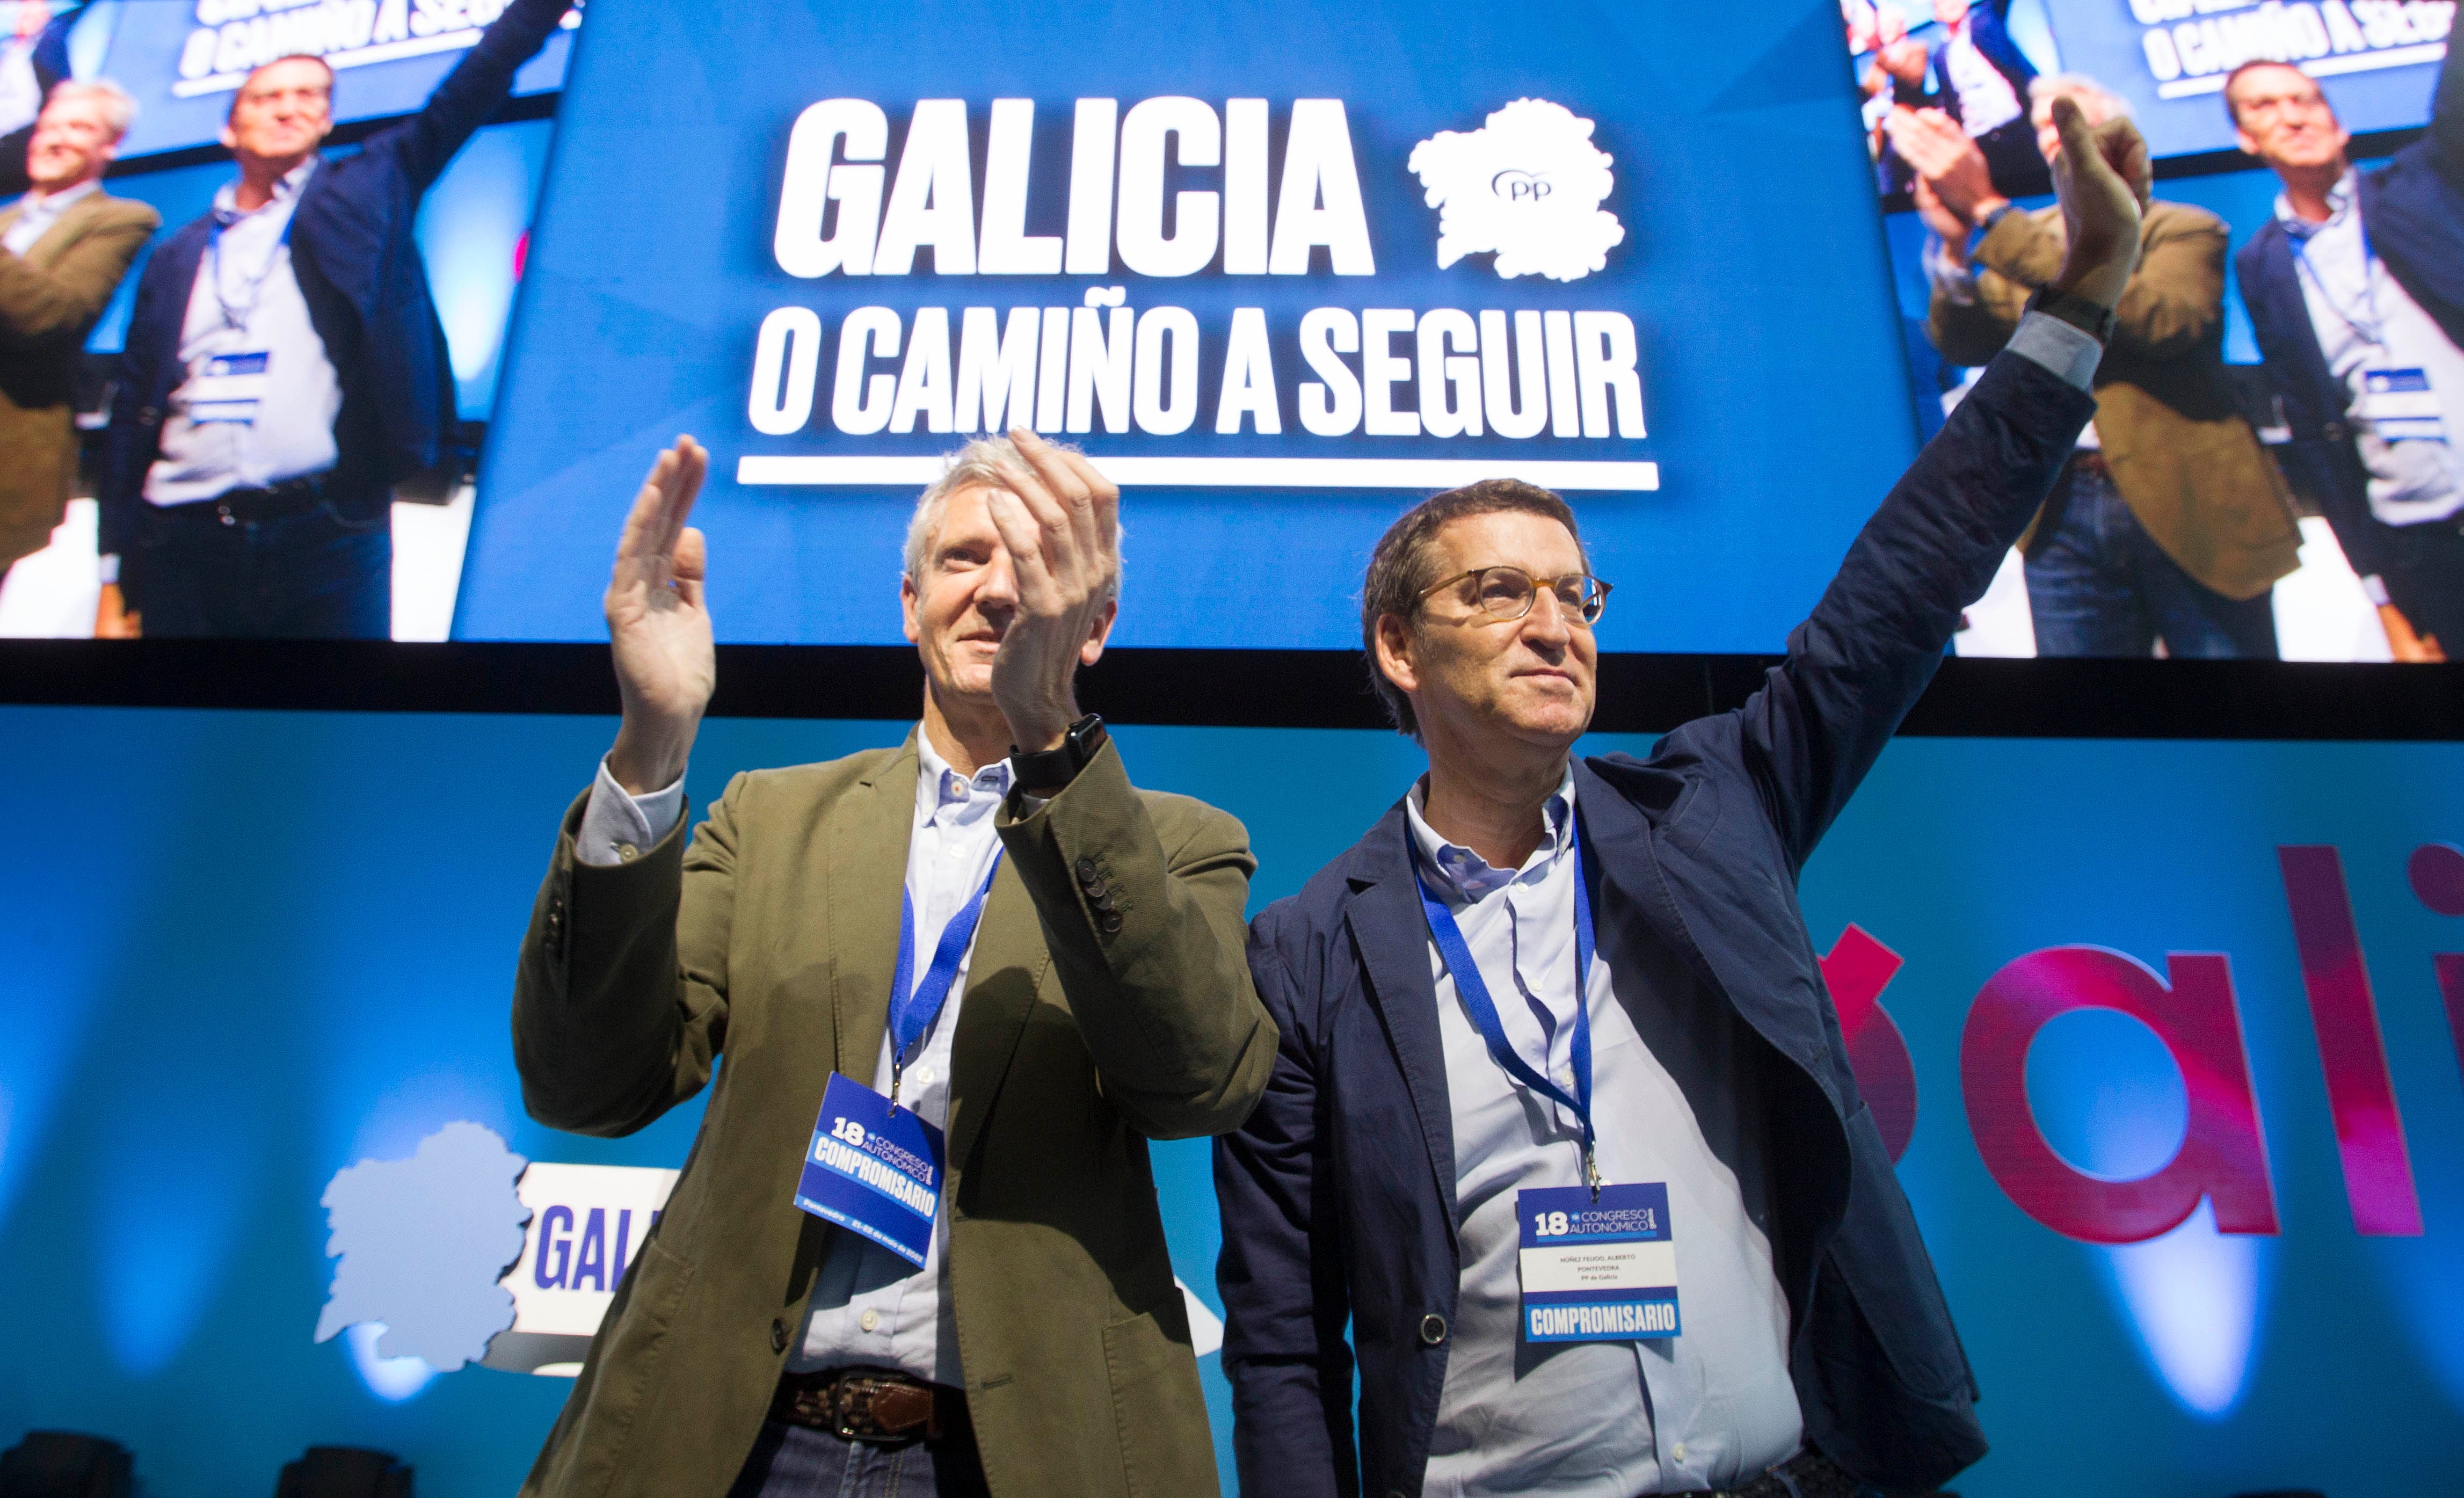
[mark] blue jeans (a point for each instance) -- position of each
(2099, 584)
(308, 575)
(792, 1461)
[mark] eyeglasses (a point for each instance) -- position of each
(1508, 593)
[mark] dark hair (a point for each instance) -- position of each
(232, 108)
(2233, 111)
(1402, 567)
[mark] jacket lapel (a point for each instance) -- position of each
(1003, 973)
(1392, 935)
(867, 875)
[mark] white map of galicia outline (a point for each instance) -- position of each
(1528, 186)
(422, 1243)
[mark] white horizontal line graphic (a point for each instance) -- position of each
(2320, 68)
(1227, 473)
(357, 57)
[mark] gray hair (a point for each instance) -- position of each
(2045, 88)
(119, 105)
(977, 464)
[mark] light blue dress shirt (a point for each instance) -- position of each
(868, 1305)
(246, 299)
(1675, 1099)
(2365, 320)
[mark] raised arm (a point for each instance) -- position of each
(1146, 935)
(1858, 662)
(478, 85)
(1146, 939)
(2447, 117)
(2174, 306)
(1281, 1272)
(620, 999)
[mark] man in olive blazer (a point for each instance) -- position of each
(2174, 523)
(1107, 1000)
(63, 248)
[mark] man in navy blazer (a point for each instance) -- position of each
(1540, 991)
(2361, 273)
(285, 371)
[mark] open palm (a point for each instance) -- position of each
(658, 626)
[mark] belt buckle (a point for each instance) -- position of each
(850, 1400)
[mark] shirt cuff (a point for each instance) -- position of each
(1957, 282)
(106, 568)
(2067, 351)
(2374, 589)
(616, 826)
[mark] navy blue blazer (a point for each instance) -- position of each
(365, 284)
(1338, 1193)
(2414, 209)
(1989, 29)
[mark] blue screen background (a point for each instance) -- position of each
(1754, 267)
(247, 950)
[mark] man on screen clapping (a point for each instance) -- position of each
(64, 248)
(2170, 523)
(956, 985)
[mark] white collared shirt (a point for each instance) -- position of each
(1712, 1408)
(38, 211)
(1987, 100)
(868, 1305)
(247, 300)
(2364, 320)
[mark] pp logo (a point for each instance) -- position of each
(1519, 186)
(1527, 186)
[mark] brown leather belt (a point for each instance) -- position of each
(879, 1406)
(1808, 1474)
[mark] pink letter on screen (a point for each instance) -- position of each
(2369, 1131)
(2222, 1156)
(2436, 871)
(1857, 970)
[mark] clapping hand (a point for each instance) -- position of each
(2102, 177)
(658, 626)
(1061, 522)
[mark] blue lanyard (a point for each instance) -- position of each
(2374, 331)
(238, 319)
(1474, 990)
(913, 1012)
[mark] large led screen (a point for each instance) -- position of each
(1281, 269)
(2245, 490)
(183, 59)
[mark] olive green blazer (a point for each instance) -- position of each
(50, 297)
(771, 940)
(2184, 459)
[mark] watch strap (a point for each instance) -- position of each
(1046, 771)
(2092, 319)
(1984, 227)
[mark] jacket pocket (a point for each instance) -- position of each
(1157, 1410)
(632, 1365)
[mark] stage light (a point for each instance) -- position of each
(392, 1379)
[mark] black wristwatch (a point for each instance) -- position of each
(1044, 772)
(2090, 317)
